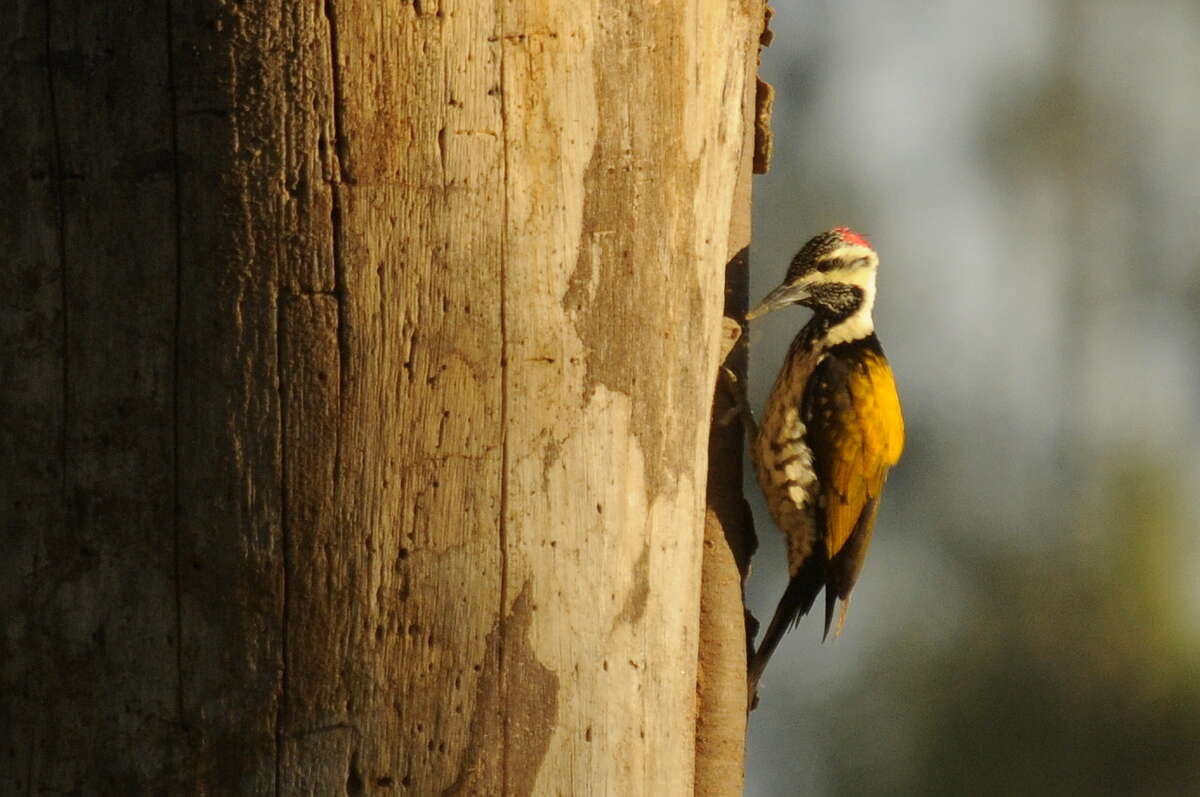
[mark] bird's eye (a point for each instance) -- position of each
(838, 263)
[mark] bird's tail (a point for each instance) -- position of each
(797, 599)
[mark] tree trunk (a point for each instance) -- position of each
(358, 361)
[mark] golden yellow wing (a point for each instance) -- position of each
(856, 432)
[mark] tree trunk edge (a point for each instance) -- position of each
(729, 538)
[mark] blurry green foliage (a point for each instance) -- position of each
(1075, 674)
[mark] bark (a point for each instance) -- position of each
(728, 529)
(726, 627)
(357, 362)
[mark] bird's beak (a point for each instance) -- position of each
(785, 294)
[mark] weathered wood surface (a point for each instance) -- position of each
(728, 528)
(357, 366)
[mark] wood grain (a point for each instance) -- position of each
(358, 364)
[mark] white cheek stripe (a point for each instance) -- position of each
(860, 323)
(855, 327)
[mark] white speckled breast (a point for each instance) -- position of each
(783, 459)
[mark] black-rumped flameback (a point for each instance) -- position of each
(830, 432)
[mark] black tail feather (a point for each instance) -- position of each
(830, 604)
(796, 602)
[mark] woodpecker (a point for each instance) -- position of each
(831, 429)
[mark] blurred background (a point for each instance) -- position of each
(1028, 620)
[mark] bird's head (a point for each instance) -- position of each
(834, 275)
